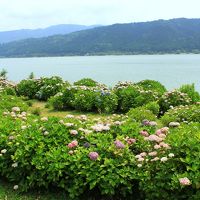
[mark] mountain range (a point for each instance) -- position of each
(61, 29)
(155, 37)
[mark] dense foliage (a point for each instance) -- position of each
(152, 85)
(42, 88)
(134, 96)
(86, 82)
(173, 98)
(184, 114)
(119, 157)
(189, 89)
(88, 95)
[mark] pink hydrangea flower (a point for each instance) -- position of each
(155, 159)
(185, 181)
(131, 141)
(154, 138)
(157, 146)
(119, 144)
(140, 159)
(164, 145)
(138, 156)
(93, 155)
(143, 154)
(73, 132)
(72, 144)
(153, 153)
(144, 133)
(15, 109)
(162, 136)
(152, 123)
(158, 132)
(164, 130)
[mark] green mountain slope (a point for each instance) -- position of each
(161, 36)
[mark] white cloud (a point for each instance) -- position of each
(16, 14)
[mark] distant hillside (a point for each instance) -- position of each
(9, 36)
(161, 36)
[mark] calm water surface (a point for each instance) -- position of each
(171, 70)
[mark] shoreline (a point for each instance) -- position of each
(101, 55)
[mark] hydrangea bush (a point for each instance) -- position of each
(50, 87)
(106, 101)
(42, 88)
(189, 89)
(172, 99)
(86, 82)
(184, 114)
(115, 157)
(152, 85)
(134, 96)
(28, 88)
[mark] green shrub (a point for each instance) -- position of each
(36, 111)
(172, 99)
(47, 105)
(184, 142)
(50, 87)
(189, 89)
(134, 96)
(126, 97)
(84, 100)
(3, 74)
(186, 114)
(106, 102)
(41, 152)
(115, 157)
(28, 88)
(123, 84)
(29, 103)
(57, 101)
(38, 156)
(31, 76)
(7, 102)
(139, 114)
(64, 100)
(10, 91)
(167, 162)
(153, 107)
(42, 88)
(86, 82)
(152, 85)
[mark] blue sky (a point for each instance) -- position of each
(16, 14)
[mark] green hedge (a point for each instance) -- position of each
(118, 157)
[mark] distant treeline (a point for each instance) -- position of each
(156, 37)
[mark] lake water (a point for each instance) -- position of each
(171, 70)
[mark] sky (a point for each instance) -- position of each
(18, 14)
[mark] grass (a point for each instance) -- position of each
(7, 193)
(47, 112)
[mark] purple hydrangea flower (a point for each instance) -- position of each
(119, 144)
(145, 122)
(86, 144)
(93, 155)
